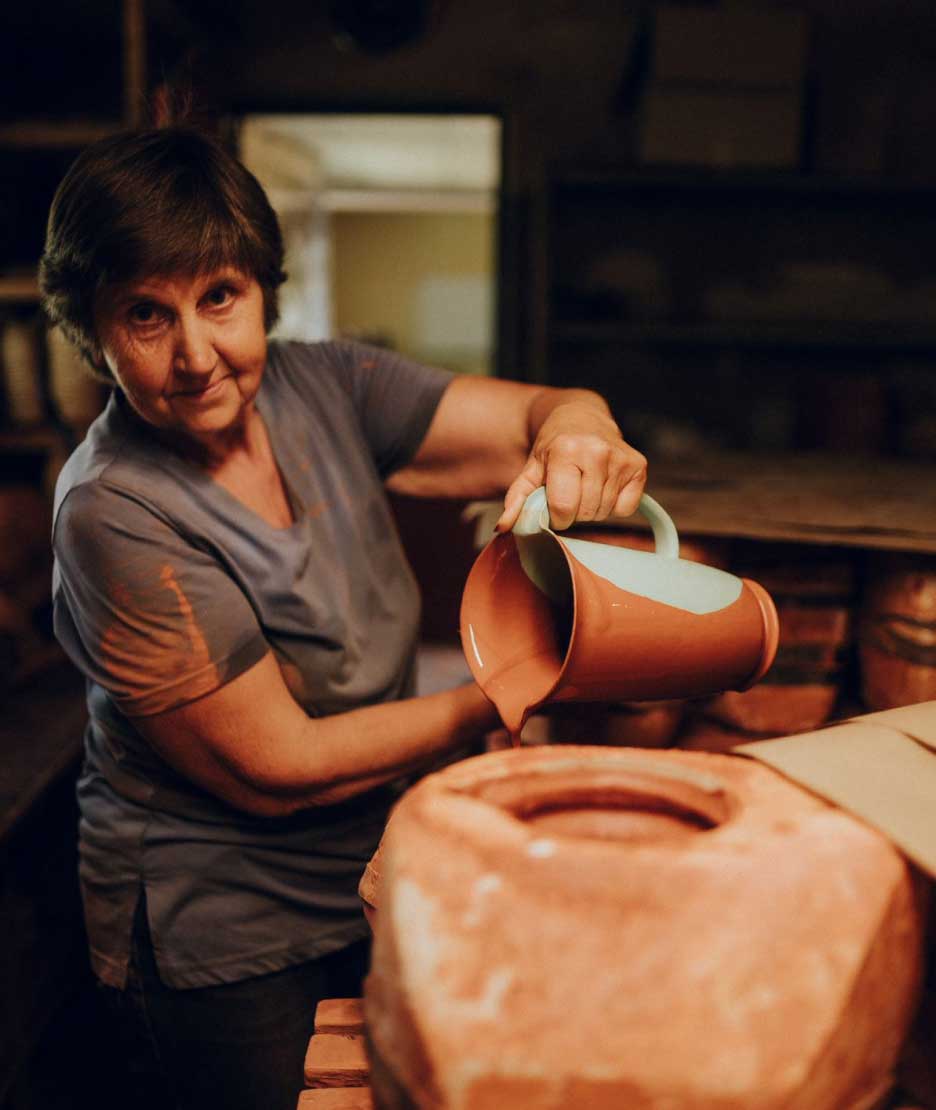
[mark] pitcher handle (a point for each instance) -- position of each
(534, 517)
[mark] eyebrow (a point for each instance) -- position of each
(129, 292)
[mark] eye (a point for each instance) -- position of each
(220, 295)
(144, 314)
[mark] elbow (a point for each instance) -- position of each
(255, 804)
(254, 801)
(264, 783)
(262, 798)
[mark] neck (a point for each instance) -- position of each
(211, 450)
(214, 449)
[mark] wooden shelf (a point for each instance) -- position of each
(765, 266)
(810, 497)
(19, 288)
(38, 439)
(631, 178)
(55, 134)
(872, 502)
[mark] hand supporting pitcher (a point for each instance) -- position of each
(547, 617)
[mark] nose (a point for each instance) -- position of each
(194, 352)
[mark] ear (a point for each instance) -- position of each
(94, 357)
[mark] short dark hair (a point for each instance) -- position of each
(153, 203)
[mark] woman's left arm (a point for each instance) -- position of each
(489, 435)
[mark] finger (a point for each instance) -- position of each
(610, 489)
(629, 497)
(529, 479)
(563, 493)
(591, 489)
(627, 471)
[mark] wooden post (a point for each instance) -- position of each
(134, 61)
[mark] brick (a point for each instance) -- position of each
(339, 1015)
(336, 1098)
(336, 1060)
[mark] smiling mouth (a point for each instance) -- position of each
(197, 394)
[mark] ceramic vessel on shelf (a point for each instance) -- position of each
(548, 617)
(568, 927)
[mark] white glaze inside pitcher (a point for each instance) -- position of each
(694, 587)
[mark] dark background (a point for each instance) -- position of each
(571, 80)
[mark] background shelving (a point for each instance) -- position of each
(747, 308)
(39, 148)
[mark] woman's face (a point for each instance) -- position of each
(188, 352)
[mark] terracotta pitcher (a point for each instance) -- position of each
(548, 617)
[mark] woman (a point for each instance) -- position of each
(229, 580)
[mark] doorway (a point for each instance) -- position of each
(391, 229)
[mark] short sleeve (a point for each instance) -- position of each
(142, 611)
(395, 399)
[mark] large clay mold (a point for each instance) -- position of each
(579, 927)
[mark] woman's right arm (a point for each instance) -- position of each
(156, 622)
(253, 746)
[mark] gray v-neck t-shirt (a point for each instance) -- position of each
(166, 587)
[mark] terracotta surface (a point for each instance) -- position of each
(609, 645)
(898, 632)
(607, 928)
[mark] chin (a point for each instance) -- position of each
(210, 418)
(211, 422)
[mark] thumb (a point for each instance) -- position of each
(529, 479)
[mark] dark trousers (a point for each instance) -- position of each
(239, 1046)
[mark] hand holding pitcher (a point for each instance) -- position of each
(589, 472)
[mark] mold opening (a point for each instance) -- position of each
(630, 825)
(590, 807)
